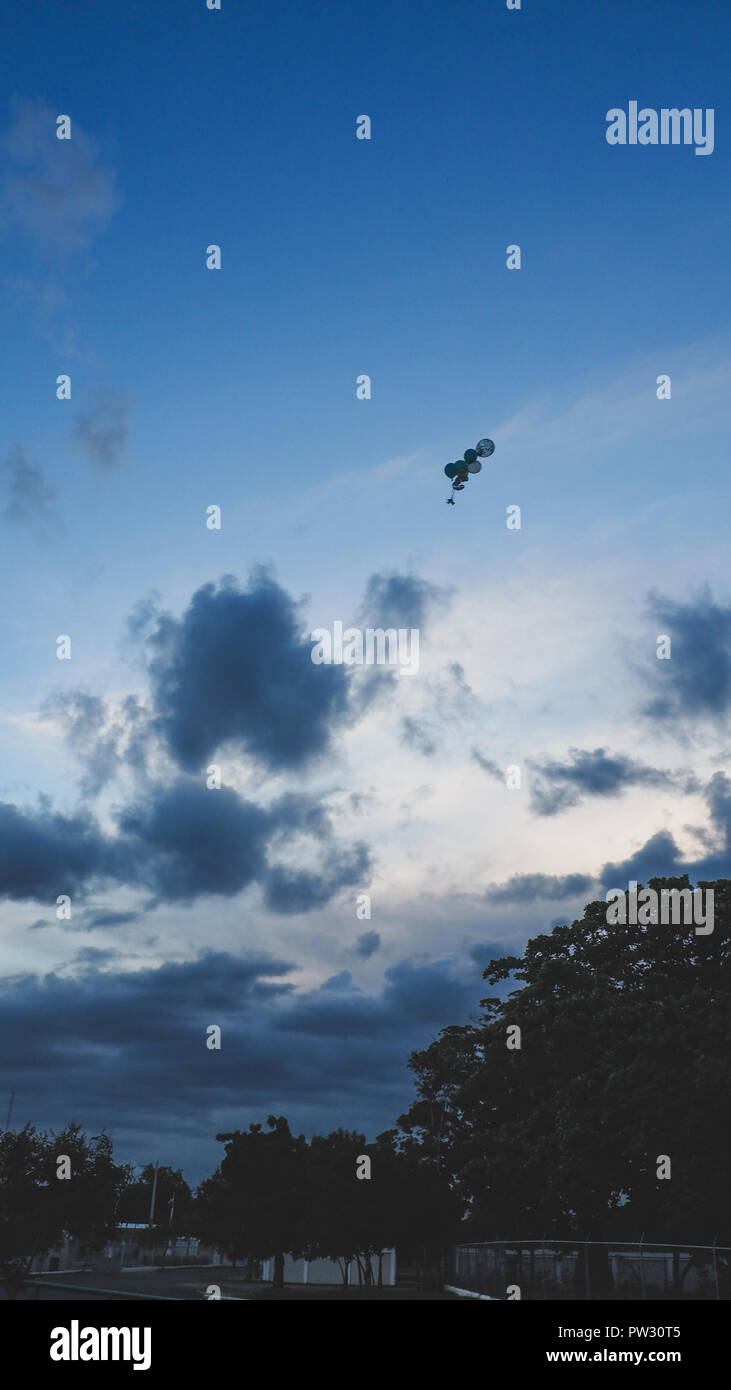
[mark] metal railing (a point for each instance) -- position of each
(587, 1269)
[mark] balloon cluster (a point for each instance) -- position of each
(471, 462)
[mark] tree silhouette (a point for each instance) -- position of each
(38, 1208)
(262, 1186)
(625, 1056)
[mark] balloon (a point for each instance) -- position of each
(485, 447)
(462, 472)
(475, 466)
(469, 456)
(450, 469)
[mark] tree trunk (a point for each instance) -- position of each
(279, 1270)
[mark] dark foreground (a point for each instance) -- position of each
(192, 1285)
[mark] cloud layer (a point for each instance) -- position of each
(130, 1046)
(179, 843)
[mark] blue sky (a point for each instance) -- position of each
(236, 387)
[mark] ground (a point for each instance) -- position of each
(191, 1285)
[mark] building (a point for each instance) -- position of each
(331, 1272)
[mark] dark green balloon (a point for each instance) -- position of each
(450, 469)
(462, 472)
(470, 455)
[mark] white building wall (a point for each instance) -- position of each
(329, 1271)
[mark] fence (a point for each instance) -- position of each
(585, 1270)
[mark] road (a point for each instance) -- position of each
(191, 1285)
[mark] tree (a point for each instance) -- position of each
(262, 1184)
(341, 1221)
(39, 1206)
(405, 1202)
(625, 1055)
(418, 1209)
(87, 1204)
(217, 1217)
(26, 1226)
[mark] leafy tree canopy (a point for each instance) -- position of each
(625, 1055)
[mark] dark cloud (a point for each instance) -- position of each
(341, 984)
(660, 856)
(367, 944)
(104, 917)
(559, 785)
(179, 843)
(412, 994)
(126, 1049)
(718, 798)
(44, 853)
(289, 891)
(28, 499)
(55, 192)
(695, 682)
(89, 919)
(398, 600)
(530, 888)
(92, 956)
(235, 668)
(488, 765)
(102, 433)
(189, 841)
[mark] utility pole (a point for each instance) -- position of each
(10, 1109)
(152, 1210)
(154, 1191)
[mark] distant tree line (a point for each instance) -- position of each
(274, 1194)
(588, 1103)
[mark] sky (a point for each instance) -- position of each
(333, 903)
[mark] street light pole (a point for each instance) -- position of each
(154, 1191)
(152, 1210)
